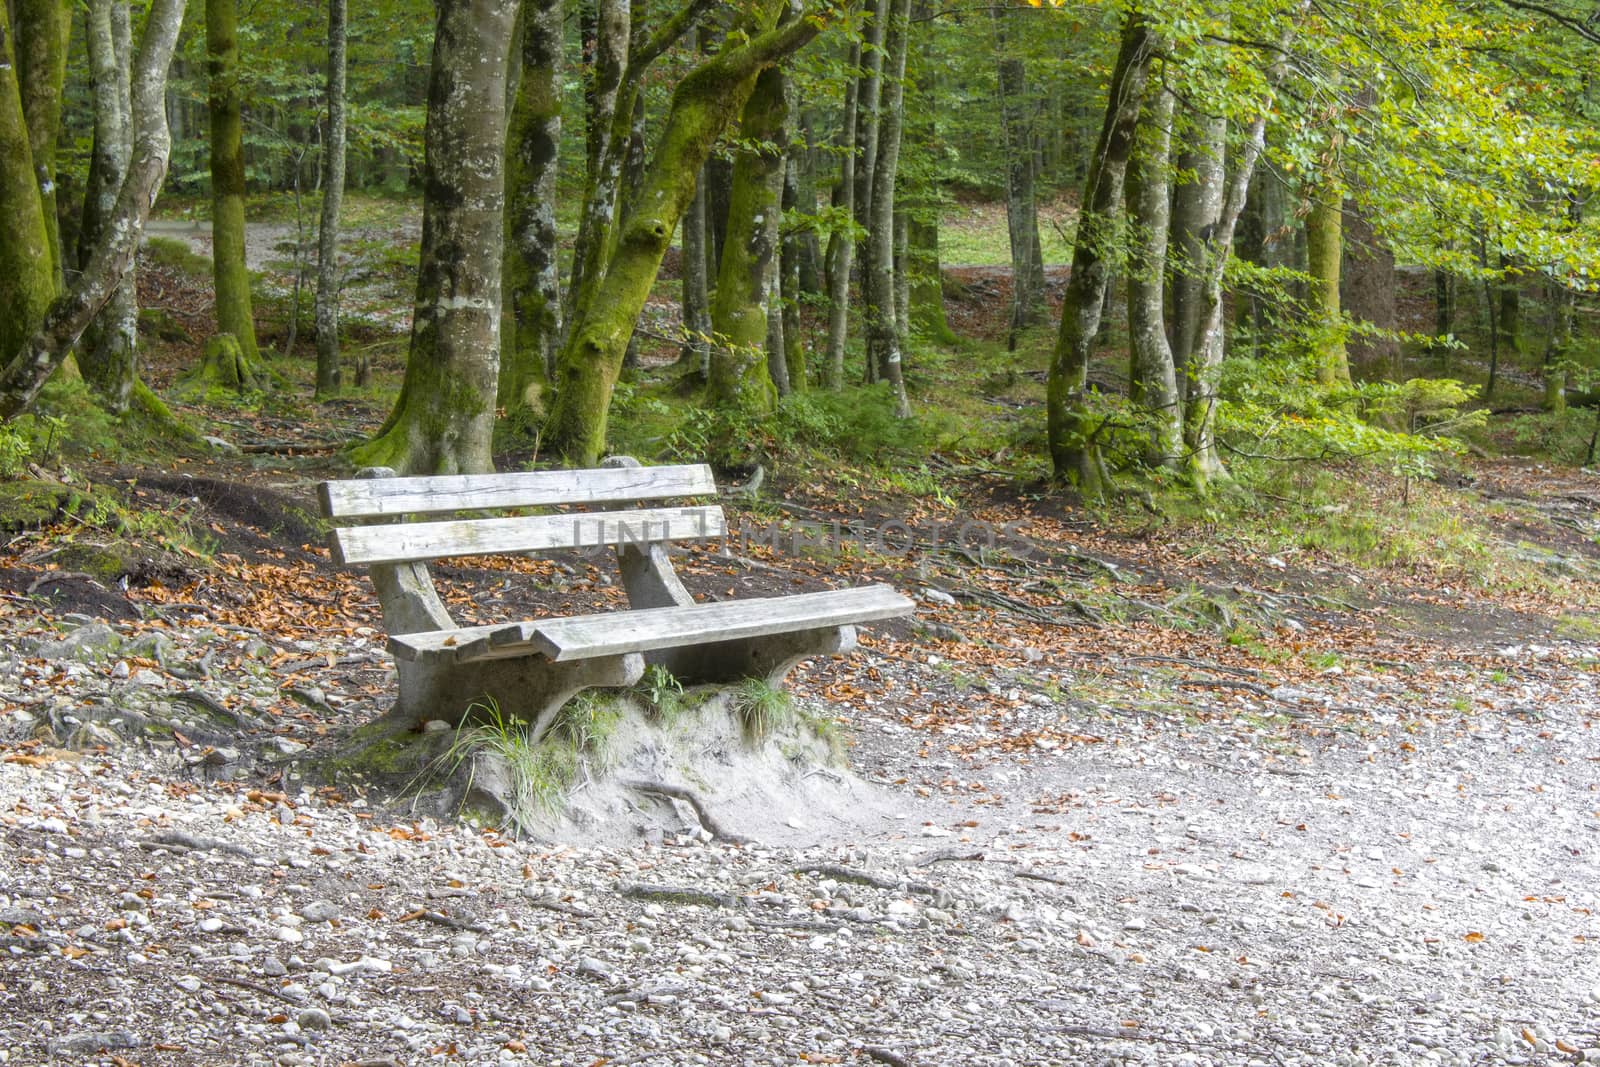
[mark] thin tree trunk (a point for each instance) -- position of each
(777, 363)
(696, 352)
(1022, 216)
(609, 68)
(746, 375)
(792, 351)
(229, 274)
(532, 284)
(841, 248)
(1324, 250)
(444, 419)
(806, 203)
(108, 355)
(1074, 451)
(1368, 290)
(869, 89)
(47, 346)
(1153, 380)
(885, 350)
(703, 104)
(333, 145)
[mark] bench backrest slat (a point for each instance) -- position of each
(403, 542)
(379, 497)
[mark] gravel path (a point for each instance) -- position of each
(1350, 873)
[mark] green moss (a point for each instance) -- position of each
(104, 562)
(27, 505)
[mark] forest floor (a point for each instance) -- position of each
(1310, 779)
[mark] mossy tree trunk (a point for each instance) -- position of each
(36, 359)
(532, 275)
(329, 377)
(443, 422)
(696, 352)
(224, 103)
(793, 352)
(43, 30)
(1152, 378)
(885, 350)
(1324, 252)
(108, 356)
(703, 104)
(741, 378)
(1071, 428)
(1196, 202)
(27, 284)
(604, 98)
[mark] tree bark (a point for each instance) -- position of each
(532, 271)
(1324, 248)
(842, 247)
(27, 283)
(1022, 216)
(70, 314)
(1074, 451)
(333, 152)
(609, 68)
(1367, 291)
(702, 105)
(869, 90)
(1196, 202)
(1153, 382)
(230, 277)
(792, 352)
(108, 356)
(696, 352)
(444, 419)
(741, 378)
(43, 30)
(885, 347)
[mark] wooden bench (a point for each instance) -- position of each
(531, 668)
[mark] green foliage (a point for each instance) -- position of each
(761, 708)
(15, 448)
(660, 692)
(539, 773)
(585, 724)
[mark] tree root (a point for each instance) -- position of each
(701, 812)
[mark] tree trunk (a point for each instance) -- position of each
(333, 145)
(1074, 452)
(1205, 367)
(1509, 330)
(444, 419)
(696, 292)
(885, 350)
(741, 379)
(532, 281)
(27, 283)
(869, 89)
(1444, 303)
(1324, 247)
(1153, 380)
(792, 352)
(1195, 204)
(1022, 217)
(604, 89)
(43, 30)
(1557, 369)
(841, 247)
(230, 277)
(777, 364)
(703, 104)
(108, 261)
(805, 160)
(108, 355)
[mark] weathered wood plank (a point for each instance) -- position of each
(375, 498)
(585, 636)
(400, 542)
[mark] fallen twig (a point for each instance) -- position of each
(671, 894)
(886, 1055)
(701, 812)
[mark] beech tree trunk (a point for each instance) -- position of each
(869, 89)
(696, 288)
(603, 94)
(1022, 216)
(1153, 380)
(229, 275)
(1196, 202)
(1071, 428)
(885, 347)
(841, 247)
(741, 379)
(27, 282)
(532, 271)
(333, 151)
(1324, 250)
(444, 419)
(108, 355)
(33, 362)
(703, 104)
(43, 30)
(793, 351)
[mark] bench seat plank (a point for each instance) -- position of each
(381, 497)
(585, 636)
(405, 542)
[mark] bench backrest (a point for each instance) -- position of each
(400, 542)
